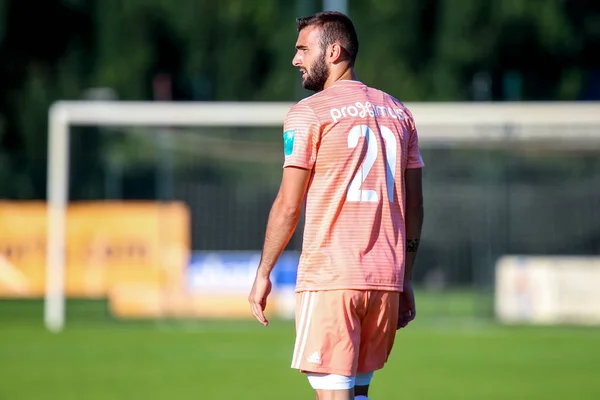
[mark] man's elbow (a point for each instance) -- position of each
(414, 206)
(291, 212)
(287, 209)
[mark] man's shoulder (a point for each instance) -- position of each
(310, 106)
(385, 95)
(301, 109)
(393, 100)
(315, 100)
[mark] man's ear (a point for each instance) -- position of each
(335, 52)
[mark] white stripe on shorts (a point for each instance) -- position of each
(308, 305)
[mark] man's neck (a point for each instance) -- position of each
(345, 75)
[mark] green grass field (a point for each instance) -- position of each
(442, 355)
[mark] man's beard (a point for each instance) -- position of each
(315, 80)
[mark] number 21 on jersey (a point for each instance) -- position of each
(355, 193)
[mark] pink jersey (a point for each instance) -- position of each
(358, 141)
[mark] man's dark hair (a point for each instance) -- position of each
(335, 27)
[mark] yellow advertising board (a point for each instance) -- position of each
(108, 244)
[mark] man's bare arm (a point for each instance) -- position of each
(283, 217)
(414, 217)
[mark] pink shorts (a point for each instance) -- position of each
(344, 331)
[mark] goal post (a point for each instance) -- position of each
(438, 124)
(65, 114)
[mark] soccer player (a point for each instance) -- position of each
(352, 156)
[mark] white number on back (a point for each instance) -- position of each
(355, 193)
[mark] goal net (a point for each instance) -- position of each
(161, 207)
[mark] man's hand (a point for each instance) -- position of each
(258, 297)
(406, 310)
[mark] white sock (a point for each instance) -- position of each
(361, 397)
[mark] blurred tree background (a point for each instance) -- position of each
(428, 50)
(482, 202)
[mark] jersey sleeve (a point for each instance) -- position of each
(301, 134)
(414, 153)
